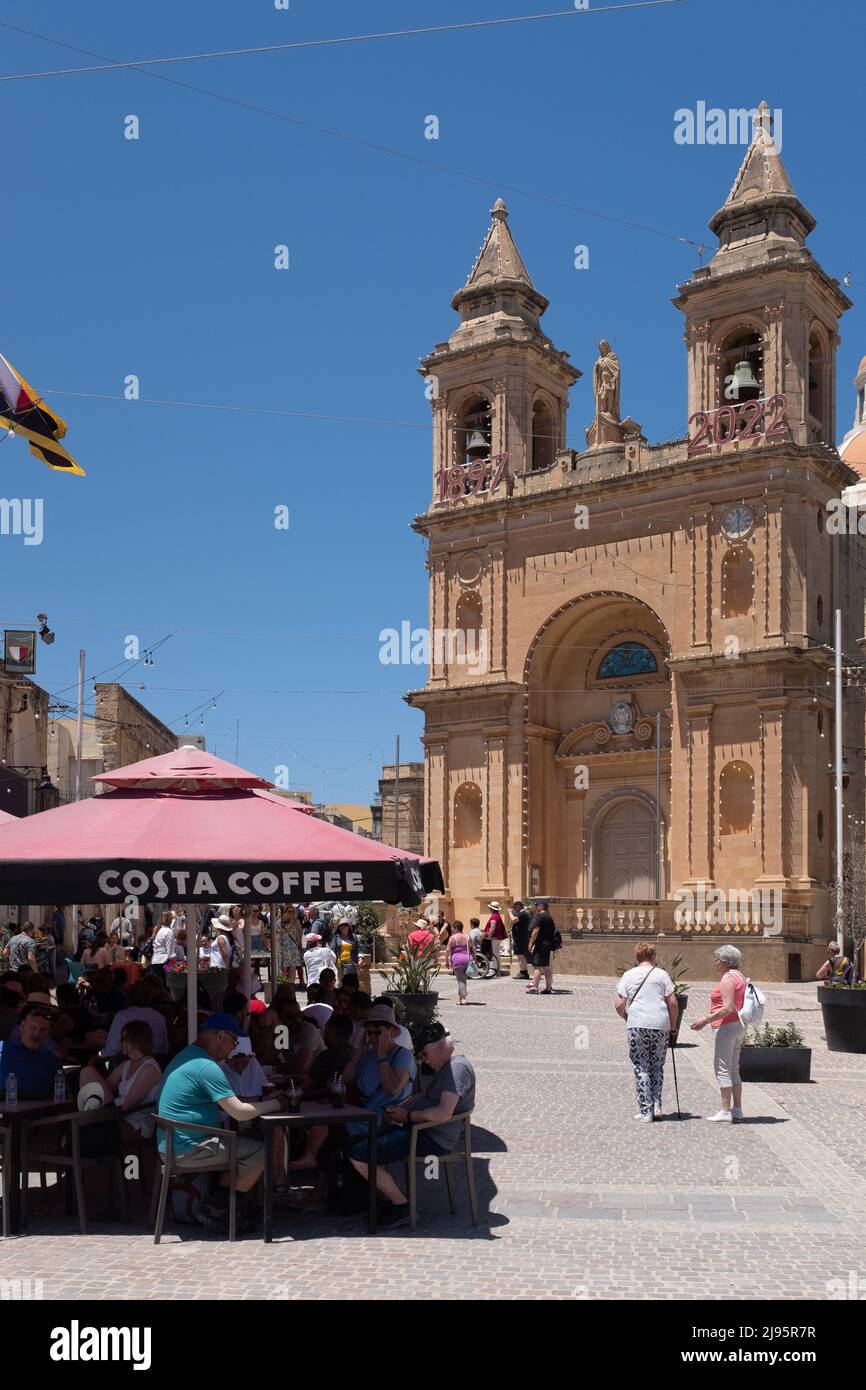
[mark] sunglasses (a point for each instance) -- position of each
(40, 1013)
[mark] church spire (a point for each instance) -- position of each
(762, 199)
(499, 285)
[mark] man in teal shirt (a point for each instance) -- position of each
(195, 1089)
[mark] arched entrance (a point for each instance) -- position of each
(624, 852)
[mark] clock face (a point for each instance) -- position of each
(737, 523)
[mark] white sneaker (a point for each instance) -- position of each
(736, 1112)
(647, 1119)
(724, 1116)
(657, 1109)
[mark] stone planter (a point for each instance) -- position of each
(415, 1010)
(844, 1012)
(212, 981)
(776, 1064)
(682, 1005)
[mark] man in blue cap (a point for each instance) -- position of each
(195, 1089)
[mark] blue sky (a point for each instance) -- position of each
(155, 257)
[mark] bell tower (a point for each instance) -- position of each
(762, 316)
(498, 386)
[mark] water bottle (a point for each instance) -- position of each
(59, 1087)
(338, 1091)
(12, 1089)
(293, 1096)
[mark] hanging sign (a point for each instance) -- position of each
(19, 653)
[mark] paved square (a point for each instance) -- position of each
(578, 1201)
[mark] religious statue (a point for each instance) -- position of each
(605, 382)
(608, 427)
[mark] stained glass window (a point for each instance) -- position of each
(628, 659)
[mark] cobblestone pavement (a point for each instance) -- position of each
(577, 1200)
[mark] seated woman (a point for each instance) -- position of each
(95, 955)
(133, 1086)
(335, 1058)
(383, 1073)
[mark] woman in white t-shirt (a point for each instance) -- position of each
(645, 999)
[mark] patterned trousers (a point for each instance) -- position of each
(646, 1050)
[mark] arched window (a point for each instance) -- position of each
(738, 583)
(736, 799)
(543, 436)
(467, 816)
(474, 433)
(741, 367)
(627, 659)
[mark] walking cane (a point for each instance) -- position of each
(673, 1051)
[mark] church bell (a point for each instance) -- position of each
(744, 378)
(477, 444)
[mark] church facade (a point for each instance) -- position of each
(629, 708)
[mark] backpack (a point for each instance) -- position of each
(754, 1003)
(147, 949)
(557, 940)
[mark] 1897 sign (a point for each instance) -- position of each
(738, 422)
(467, 479)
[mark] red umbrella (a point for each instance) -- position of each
(5, 817)
(189, 827)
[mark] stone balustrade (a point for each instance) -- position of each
(651, 918)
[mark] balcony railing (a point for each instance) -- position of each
(647, 917)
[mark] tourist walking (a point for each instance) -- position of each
(164, 944)
(645, 998)
(460, 953)
(345, 947)
(726, 1001)
(289, 956)
(542, 940)
(495, 931)
(520, 937)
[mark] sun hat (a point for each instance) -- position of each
(381, 1013)
(313, 939)
(224, 920)
(39, 1001)
(494, 906)
(424, 923)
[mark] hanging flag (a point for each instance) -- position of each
(25, 413)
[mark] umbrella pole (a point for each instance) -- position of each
(192, 937)
(276, 926)
(248, 962)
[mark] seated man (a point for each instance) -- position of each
(450, 1092)
(138, 1008)
(316, 1010)
(30, 1060)
(297, 1040)
(328, 987)
(196, 1089)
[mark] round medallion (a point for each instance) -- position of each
(622, 717)
(738, 522)
(469, 568)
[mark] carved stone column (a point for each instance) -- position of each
(438, 566)
(437, 808)
(495, 813)
(497, 610)
(775, 823)
(701, 578)
(702, 796)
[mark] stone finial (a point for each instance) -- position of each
(499, 212)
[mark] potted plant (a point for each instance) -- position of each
(213, 982)
(775, 1054)
(409, 981)
(844, 1006)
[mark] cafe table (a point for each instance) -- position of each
(312, 1114)
(11, 1118)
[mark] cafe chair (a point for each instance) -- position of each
(67, 1157)
(5, 1175)
(446, 1161)
(170, 1169)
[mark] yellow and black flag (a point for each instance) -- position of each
(23, 412)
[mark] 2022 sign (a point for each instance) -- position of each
(738, 422)
(454, 482)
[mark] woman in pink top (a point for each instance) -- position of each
(726, 1001)
(459, 956)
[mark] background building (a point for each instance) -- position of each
(406, 830)
(693, 580)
